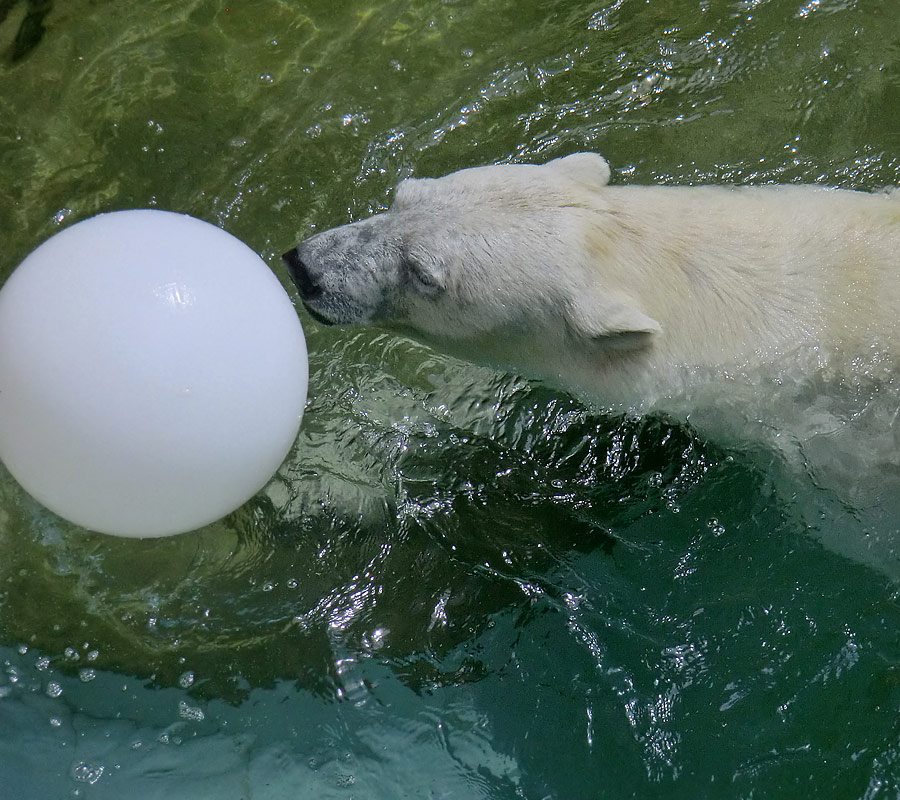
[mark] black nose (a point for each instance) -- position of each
(293, 261)
(300, 274)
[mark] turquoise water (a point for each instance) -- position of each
(460, 584)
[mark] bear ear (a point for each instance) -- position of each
(405, 192)
(609, 321)
(589, 168)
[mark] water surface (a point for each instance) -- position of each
(460, 584)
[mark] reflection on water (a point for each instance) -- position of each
(455, 568)
(372, 537)
(566, 596)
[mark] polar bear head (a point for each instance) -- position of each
(481, 262)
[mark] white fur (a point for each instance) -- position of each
(621, 294)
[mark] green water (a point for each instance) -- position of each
(460, 584)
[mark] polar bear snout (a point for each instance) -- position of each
(345, 275)
(300, 274)
(308, 285)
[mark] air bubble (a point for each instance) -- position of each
(87, 773)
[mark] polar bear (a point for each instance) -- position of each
(618, 294)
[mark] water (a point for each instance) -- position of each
(460, 584)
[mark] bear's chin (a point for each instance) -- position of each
(318, 316)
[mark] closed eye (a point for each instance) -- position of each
(422, 279)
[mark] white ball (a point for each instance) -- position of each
(153, 373)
